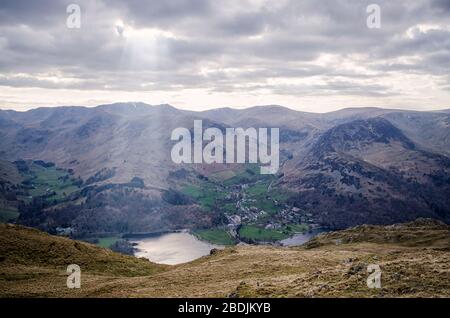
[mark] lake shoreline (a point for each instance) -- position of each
(172, 248)
(182, 246)
(296, 239)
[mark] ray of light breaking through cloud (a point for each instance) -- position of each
(198, 54)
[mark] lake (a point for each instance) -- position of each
(301, 238)
(172, 248)
(182, 247)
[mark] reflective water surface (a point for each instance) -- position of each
(172, 248)
(301, 238)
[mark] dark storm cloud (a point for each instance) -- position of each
(37, 13)
(221, 46)
(442, 5)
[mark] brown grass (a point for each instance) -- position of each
(34, 265)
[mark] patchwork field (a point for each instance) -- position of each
(48, 181)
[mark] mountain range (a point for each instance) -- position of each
(338, 169)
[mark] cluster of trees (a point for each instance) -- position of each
(118, 209)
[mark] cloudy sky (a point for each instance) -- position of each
(198, 54)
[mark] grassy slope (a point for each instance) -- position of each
(215, 236)
(106, 242)
(10, 174)
(49, 178)
(8, 213)
(414, 258)
(33, 263)
(43, 179)
(261, 234)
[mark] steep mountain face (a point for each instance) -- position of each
(340, 169)
(369, 171)
(430, 131)
(358, 135)
(133, 139)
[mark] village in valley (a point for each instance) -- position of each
(253, 211)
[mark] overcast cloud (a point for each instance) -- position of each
(199, 54)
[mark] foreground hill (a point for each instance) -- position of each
(414, 259)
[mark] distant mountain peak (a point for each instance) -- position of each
(361, 131)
